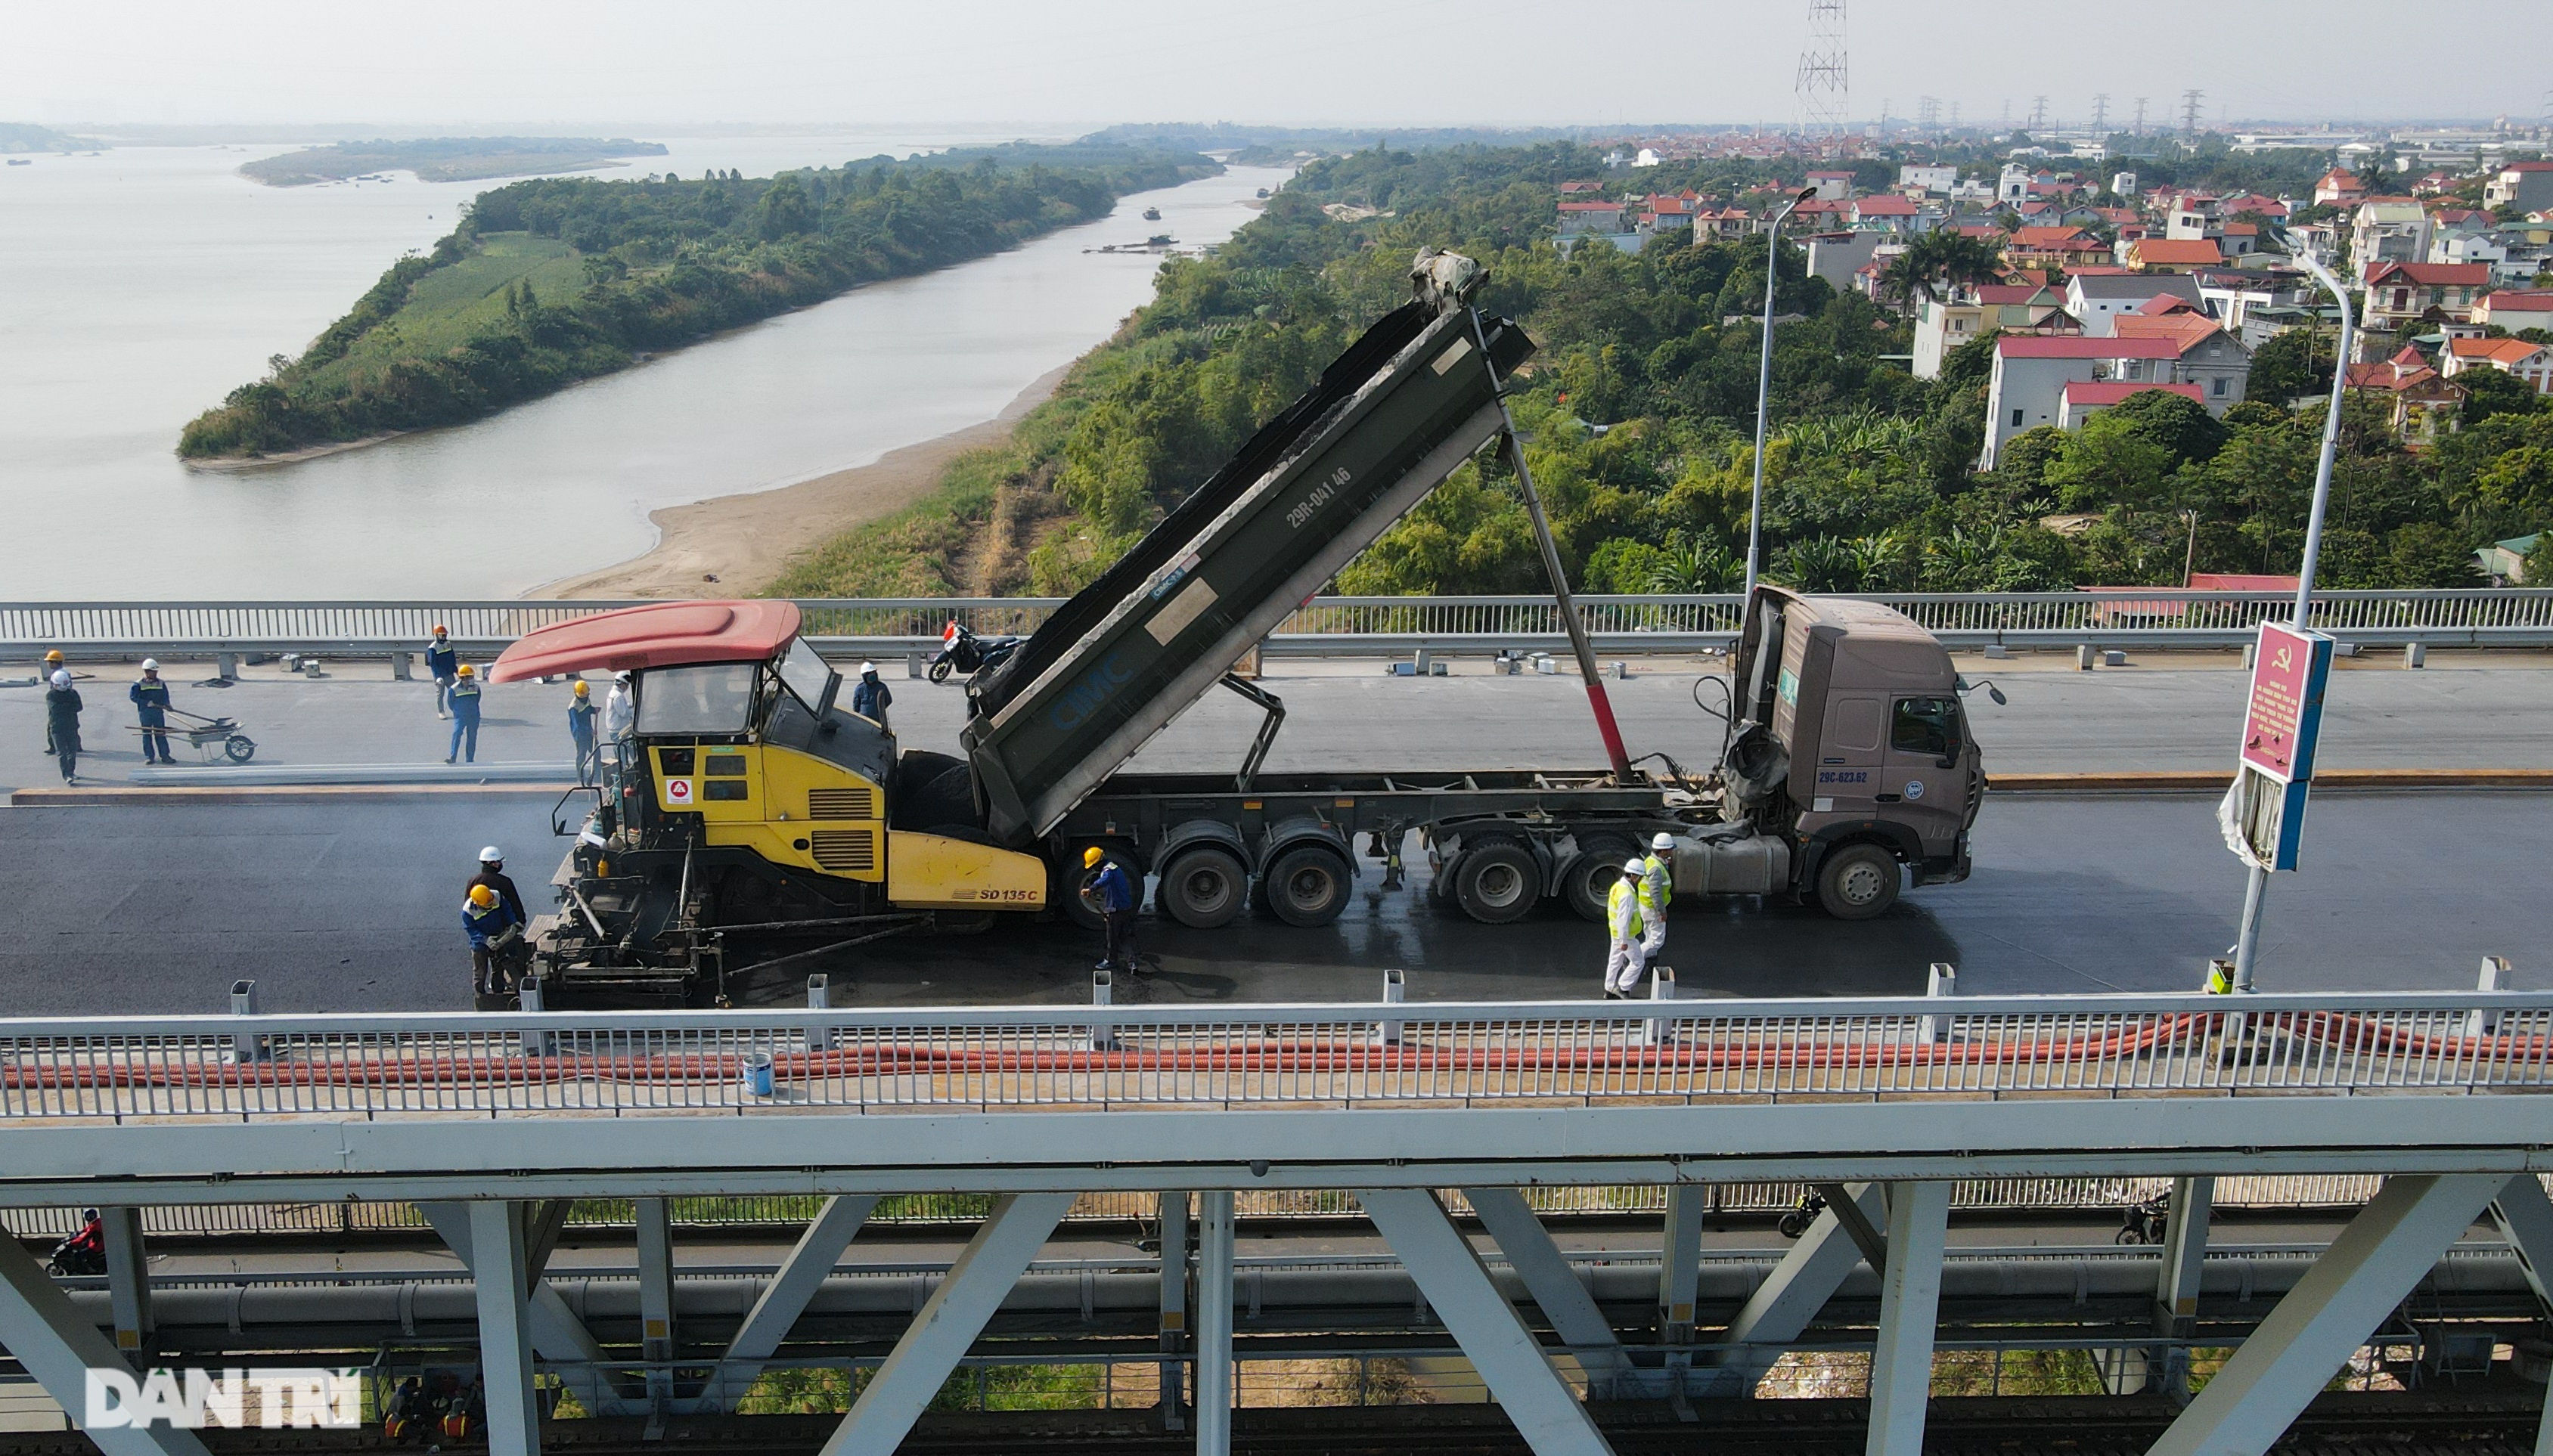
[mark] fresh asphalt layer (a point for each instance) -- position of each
(2180, 712)
(355, 907)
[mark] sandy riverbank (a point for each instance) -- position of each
(744, 541)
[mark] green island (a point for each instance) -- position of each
(1639, 411)
(557, 279)
(445, 158)
(28, 137)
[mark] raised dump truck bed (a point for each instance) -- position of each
(1415, 396)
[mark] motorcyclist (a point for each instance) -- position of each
(85, 1251)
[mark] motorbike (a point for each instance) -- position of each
(84, 1253)
(962, 651)
(1795, 1220)
(2143, 1223)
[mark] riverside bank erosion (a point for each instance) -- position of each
(730, 544)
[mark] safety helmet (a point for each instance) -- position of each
(1633, 867)
(55, 655)
(1091, 856)
(1662, 842)
(622, 676)
(62, 678)
(579, 687)
(468, 671)
(867, 668)
(491, 856)
(150, 665)
(482, 896)
(440, 629)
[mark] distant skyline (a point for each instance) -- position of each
(1047, 68)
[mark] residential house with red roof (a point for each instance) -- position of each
(2516, 309)
(1888, 213)
(2338, 188)
(1591, 217)
(2532, 362)
(2170, 256)
(1722, 222)
(1832, 186)
(2083, 399)
(2402, 293)
(2058, 247)
(2422, 403)
(1969, 313)
(2032, 372)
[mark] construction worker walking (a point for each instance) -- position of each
(151, 703)
(1623, 956)
(52, 663)
(1658, 891)
(580, 729)
(465, 715)
(442, 664)
(62, 723)
(870, 698)
(1116, 894)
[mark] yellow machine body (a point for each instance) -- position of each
(935, 872)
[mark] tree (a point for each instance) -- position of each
(2288, 366)
(2491, 391)
(2111, 463)
(2423, 556)
(2180, 425)
(1939, 257)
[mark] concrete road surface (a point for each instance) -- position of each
(1349, 715)
(357, 907)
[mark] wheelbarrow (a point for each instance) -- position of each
(207, 734)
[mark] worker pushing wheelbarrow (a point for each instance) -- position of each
(205, 734)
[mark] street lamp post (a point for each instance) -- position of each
(1764, 381)
(2247, 944)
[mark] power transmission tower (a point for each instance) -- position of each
(2101, 116)
(2038, 115)
(2189, 100)
(2140, 129)
(1928, 114)
(1955, 116)
(1824, 85)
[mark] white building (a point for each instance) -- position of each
(2031, 370)
(1927, 179)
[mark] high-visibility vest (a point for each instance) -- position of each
(1658, 886)
(1622, 910)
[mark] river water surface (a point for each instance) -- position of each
(139, 285)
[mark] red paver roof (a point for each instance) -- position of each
(659, 635)
(2180, 250)
(2432, 275)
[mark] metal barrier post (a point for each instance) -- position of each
(1394, 985)
(820, 997)
(2495, 976)
(1939, 984)
(246, 1047)
(537, 1043)
(1659, 1031)
(402, 666)
(2415, 655)
(1103, 992)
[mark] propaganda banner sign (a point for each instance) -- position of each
(2264, 814)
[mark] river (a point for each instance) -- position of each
(139, 285)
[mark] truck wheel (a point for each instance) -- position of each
(1069, 891)
(1497, 882)
(1307, 885)
(1202, 888)
(1590, 877)
(1858, 882)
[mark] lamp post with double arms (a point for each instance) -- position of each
(1764, 384)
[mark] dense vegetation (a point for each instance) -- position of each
(444, 158)
(549, 282)
(1638, 414)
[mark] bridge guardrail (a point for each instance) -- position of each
(1031, 1058)
(894, 626)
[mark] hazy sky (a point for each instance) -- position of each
(1055, 65)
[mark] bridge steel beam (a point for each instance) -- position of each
(2525, 1219)
(656, 1248)
(939, 1335)
(1910, 1301)
(504, 1291)
(2377, 1260)
(1213, 1378)
(557, 1334)
(543, 1222)
(1555, 1286)
(1458, 1286)
(800, 1274)
(128, 1277)
(59, 1346)
(1680, 1261)
(1789, 1297)
(1174, 1308)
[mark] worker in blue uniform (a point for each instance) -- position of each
(465, 715)
(580, 730)
(870, 698)
(485, 916)
(442, 664)
(1115, 891)
(151, 703)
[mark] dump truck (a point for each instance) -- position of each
(750, 821)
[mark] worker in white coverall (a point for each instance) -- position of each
(1658, 891)
(1625, 958)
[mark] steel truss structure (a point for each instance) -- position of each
(492, 1121)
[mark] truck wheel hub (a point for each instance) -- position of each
(1860, 883)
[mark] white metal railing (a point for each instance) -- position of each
(2511, 616)
(1027, 1058)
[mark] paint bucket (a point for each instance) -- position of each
(757, 1074)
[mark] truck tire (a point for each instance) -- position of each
(1858, 882)
(1069, 891)
(1202, 888)
(1590, 877)
(1307, 885)
(1497, 882)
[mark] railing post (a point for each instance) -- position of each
(1394, 985)
(536, 1042)
(402, 666)
(1659, 1031)
(1103, 992)
(820, 997)
(246, 1046)
(2495, 976)
(1939, 984)
(2415, 655)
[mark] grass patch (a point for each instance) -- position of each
(917, 551)
(452, 303)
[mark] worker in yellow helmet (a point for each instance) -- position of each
(44, 679)
(1115, 891)
(1623, 956)
(580, 730)
(492, 927)
(464, 713)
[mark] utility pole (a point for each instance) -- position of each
(2101, 116)
(2189, 100)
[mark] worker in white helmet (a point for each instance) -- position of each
(870, 697)
(151, 704)
(1623, 958)
(1657, 890)
(492, 874)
